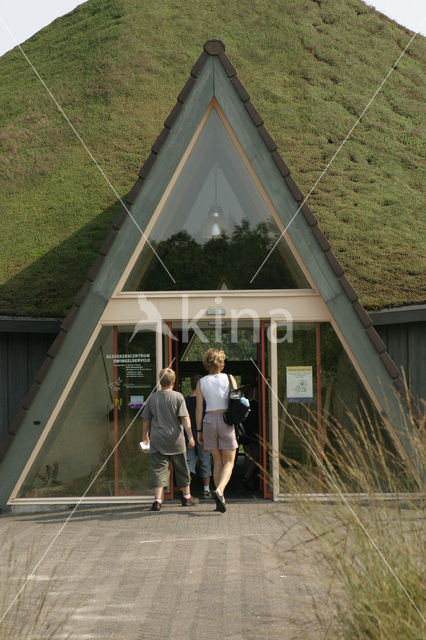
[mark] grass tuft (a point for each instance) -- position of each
(372, 545)
(29, 608)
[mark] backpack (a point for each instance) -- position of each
(238, 406)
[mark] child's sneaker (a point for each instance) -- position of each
(206, 495)
(156, 506)
(189, 502)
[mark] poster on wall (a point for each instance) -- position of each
(136, 402)
(133, 370)
(299, 384)
(133, 365)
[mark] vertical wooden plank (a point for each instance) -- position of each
(49, 339)
(17, 373)
(265, 442)
(259, 397)
(417, 362)
(263, 407)
(159, 350)
(169, 345)
(37, 350)
(177, 359)
(397, 346)
(21, 356)
(274, 414)
(382, 330)
(4, 418)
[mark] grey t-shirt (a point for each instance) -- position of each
(164, 409)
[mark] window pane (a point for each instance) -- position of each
(80, 444)
(215, 229)
(240, 344)
(296, 350)
(344, 405)
(136, 379)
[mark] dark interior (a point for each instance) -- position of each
(245, 481)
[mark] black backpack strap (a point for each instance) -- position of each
(230, 382)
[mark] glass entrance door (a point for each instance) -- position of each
(248, 361)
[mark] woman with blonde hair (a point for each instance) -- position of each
(212, 431)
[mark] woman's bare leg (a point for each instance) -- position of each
(227, 465)
(217, 465)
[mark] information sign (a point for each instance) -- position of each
(299, 384)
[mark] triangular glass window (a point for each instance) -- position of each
(215, 228)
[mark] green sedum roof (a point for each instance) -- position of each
(116, 69)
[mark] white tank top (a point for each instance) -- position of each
(215, 388)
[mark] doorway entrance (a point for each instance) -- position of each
(248, 360)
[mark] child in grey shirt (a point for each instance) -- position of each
(164, 417)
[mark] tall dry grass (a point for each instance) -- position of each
(30, 606)
(371, 526)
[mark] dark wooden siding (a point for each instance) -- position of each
(21, 355)
(406, 345)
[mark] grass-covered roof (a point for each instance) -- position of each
(116, 68)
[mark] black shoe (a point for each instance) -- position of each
(156, 506)
(189, 502)
(206, 495)
(221, 508)
(220, 503)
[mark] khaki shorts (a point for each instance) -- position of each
(217, 434)
(160, 470)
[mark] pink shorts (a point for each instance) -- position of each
(217, 434)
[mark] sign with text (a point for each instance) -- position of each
(134, 364)
(299, 384)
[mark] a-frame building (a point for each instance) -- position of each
(215, 239)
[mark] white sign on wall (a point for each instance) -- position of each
(299, 384)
